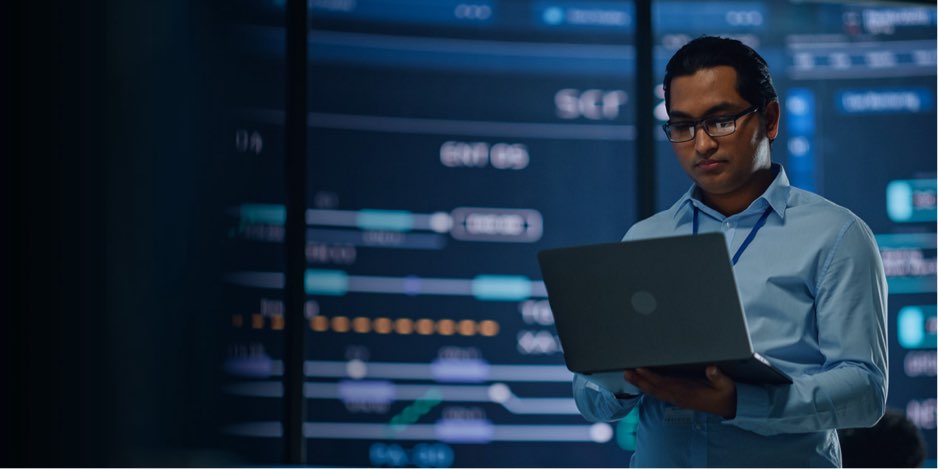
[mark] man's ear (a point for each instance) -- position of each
(772, 114)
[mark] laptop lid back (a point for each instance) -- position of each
(646, 303)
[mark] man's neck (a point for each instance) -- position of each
(740, 199)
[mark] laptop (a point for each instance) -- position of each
(667, 304)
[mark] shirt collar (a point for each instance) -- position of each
(776, 195)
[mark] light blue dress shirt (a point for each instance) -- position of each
(814, 292)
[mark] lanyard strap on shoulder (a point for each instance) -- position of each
(752, 233)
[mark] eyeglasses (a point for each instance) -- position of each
(678, 132)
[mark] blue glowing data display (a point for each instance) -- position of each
(449, 141)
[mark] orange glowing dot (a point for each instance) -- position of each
(382, 326)
(340, 324)
(361, 325)
(467, 327)
(404, 326)
(319, 323)
(257, 321)
(277, 322)
(424, 326)
(488, 328)
(446, 327)
(237, 320)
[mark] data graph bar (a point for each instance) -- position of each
(596, 433)
(385, 392)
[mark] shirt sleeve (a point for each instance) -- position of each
(597, 403)
(849, 388)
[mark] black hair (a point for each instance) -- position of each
(753, 81)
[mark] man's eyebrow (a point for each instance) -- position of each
(716, 109)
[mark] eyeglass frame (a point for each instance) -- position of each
(706, 124)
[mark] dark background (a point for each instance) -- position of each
(109, 353)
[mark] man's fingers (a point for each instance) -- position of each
(716, 395)
(647, 375)
(659, 381)
(636, 379)
(717, 379)
(660, 386)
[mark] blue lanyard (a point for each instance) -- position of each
(752, 233)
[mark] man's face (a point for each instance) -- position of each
(721, 165)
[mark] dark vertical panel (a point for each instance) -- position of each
(645, 106)
(52, 236)
(295, 240)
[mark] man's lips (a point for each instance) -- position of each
(709, 164)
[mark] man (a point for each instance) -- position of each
(809, 274)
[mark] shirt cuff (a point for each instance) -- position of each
(752, 403)
(614, 381)
(596, 402)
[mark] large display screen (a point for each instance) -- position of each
(450, 140)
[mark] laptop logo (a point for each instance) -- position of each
(644, 302)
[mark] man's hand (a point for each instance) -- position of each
(716, 394)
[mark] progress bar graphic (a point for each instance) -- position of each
(449, 431)
(518, 225)
(339, 283)
(385, 392)
(440, 370)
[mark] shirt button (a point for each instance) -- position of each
(727, 225)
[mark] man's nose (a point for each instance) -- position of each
(704, 144)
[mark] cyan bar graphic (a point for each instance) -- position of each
(911, 200)
(906, 241)
(326, 282)
(267, 214)
(916, 327)
(385, 220)
(501, 287)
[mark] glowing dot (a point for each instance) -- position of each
(361, 325)
(404, 326)
(441, 222)
(797, 105)
(237, 320)
(499, 392)
(340, 324)
(600, 432)
(382, 326)
(488, 328)
(424, 327)
(356, 369)
(552, 15)
(446, 327)
(319, 323)
(257, 321)
(798, 146)
(467, 327)
(310, 309)
(276, 322)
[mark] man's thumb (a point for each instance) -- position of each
(714, 375)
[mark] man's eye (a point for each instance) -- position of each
(721, 124)
(681, 126)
